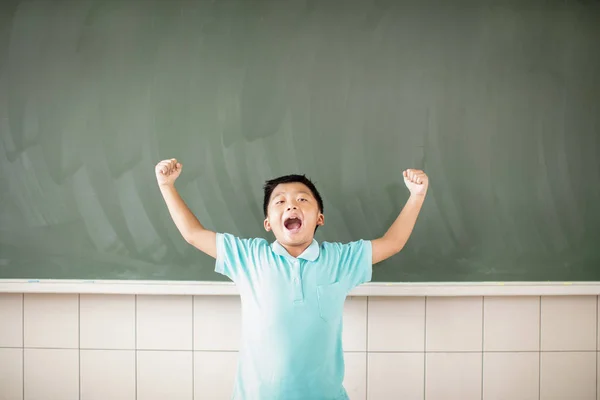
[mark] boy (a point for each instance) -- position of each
(292, 290)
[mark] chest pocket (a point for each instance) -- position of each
(331, 299)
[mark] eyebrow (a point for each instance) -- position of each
(300, 192)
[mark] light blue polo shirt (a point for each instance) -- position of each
(292, 308)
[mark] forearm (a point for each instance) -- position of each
(402, 227)
(188, 225)
(397, 235)
(183, 217)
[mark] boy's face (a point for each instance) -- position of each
(293, 214)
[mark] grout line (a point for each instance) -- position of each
(23, 337)
(345, 351)
(367, 351)
(482, 340)
(511, 351)
(175, 350)
(135, 333)
(425, 350)
(540, 352)
(79, 339)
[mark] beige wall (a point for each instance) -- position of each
(182, 347)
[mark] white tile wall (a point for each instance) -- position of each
(354, 334)
(51, 321)
(11, 320)
(107, 321)
(511, 324)
(51, 374)
(214, 374)
(356, 372)
(11, 374)
(569, 323)
(217, 322)
(453, 376)
(568, 375)
(184, 347)
(396, 324)
(514, 376)
(107, 374)
(165, 375)
(164, 322)
(396, 375)
(454, 324)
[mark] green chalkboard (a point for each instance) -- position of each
(499, 102)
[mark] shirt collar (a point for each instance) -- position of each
(310, 254)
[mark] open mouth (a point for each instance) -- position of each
(293, 224)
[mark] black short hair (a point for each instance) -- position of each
(270, 185)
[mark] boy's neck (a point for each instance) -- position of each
(295, 251)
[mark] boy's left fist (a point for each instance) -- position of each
(416, 181)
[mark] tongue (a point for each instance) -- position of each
(293, 225)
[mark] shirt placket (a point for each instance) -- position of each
(297, 281)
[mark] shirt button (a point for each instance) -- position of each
(296, 281)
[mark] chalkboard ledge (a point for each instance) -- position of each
(368, 289)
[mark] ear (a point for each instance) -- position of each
(267, 225)
(320, 220)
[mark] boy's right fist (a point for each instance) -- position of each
(167, 171)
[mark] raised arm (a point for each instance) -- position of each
(397, 235)
(205, 240)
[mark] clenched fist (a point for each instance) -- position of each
(416, 181)
(167, 171)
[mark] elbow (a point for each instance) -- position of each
(189, 237)
(399, 248)
(394, 245)
(388, 248)
(193, 236)
(396, 250)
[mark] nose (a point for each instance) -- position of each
(290, 207)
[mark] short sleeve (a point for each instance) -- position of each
(356, 263)
(235, 256)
